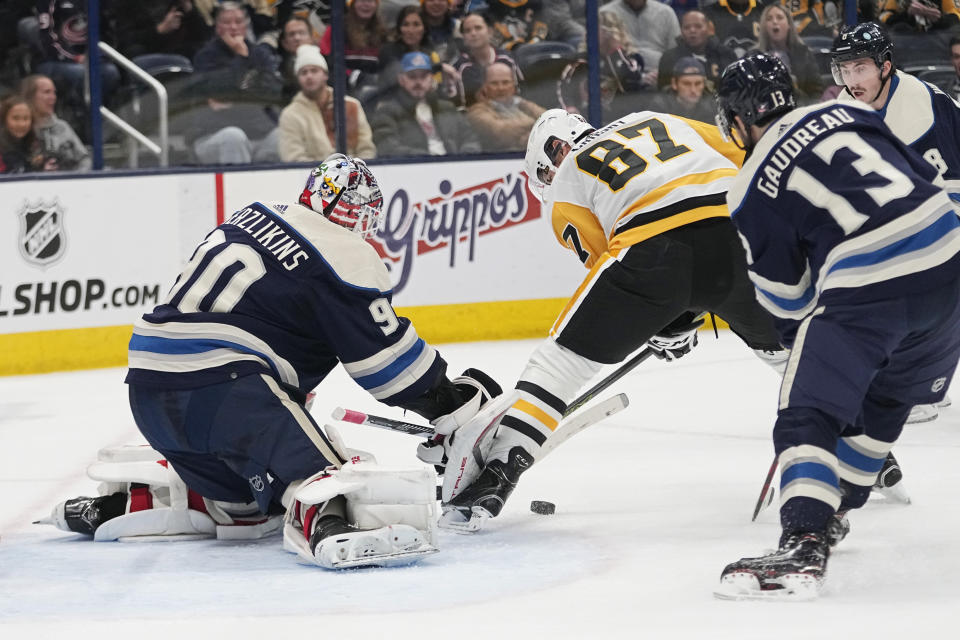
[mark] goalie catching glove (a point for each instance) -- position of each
(678, 338)
(474, 389)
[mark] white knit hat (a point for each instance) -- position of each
(307, 55)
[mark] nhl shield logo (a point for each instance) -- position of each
(42, 238)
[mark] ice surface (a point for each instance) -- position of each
(651, 504)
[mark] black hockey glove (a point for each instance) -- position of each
(678, 338)
(474, 388)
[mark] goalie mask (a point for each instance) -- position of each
(344, 191)
(545, 150)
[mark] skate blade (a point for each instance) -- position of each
(398, 559)
(896, 493)
(745, 586)
(458, 522)
(923, 413)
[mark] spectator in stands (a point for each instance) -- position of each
(919, 15)
(230, 50)
(501, 119)
(20, 149)
(443, 28)
(307, 127)
(315, 12)
(478, 54)
(261, 14)
(295, 32)
(623, 87)
(365, 35)
(63, 56)
(651, 26)
(955, 61)
(160, 26)
(696, 40)
(410, 34)
(57, 138)
(736, 23)
(516, 22)
(687, 96)
(779, 37)
(415, 121)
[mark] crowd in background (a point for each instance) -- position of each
(250, 81)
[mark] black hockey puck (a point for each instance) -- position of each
(543, 507)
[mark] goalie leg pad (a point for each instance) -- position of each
(389, 516)
(160, 507)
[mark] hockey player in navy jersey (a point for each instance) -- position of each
(641, 203)
(852, 245)
(219, 373)
(920, 114)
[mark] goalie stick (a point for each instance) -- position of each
(570, 426)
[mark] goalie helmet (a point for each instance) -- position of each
(553, 127)
(344, 191)
(757, 88)
(865, 40)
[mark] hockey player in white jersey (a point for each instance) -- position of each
(270, 302)
(641, 203)
(854, 247)
(919, 113)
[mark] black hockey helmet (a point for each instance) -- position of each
(757, 88)
(864, 40)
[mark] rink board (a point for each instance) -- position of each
(469, 254)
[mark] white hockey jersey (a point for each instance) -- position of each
(637, 177)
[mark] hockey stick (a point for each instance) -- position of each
(763, 501)
(569, 427)
(358, 417)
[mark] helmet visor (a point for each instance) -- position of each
(854, 72)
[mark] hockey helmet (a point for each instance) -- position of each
(344, 191)
(757, 88)
(864, 40)
(552, 128)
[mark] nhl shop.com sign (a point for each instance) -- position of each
(42, 239)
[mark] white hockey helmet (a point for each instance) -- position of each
(344, 191)
(552, 126)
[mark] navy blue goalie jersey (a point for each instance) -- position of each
(283, 291)
(833, 208)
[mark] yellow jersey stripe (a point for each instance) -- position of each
(641, 233)
(535, 412)
(651, 197)
(593, 240)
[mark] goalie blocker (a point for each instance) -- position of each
(360, 515)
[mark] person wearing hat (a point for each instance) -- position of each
(413, 120)
(687, 96)
(307, 127)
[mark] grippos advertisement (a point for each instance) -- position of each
(453, 233)
(88, 252)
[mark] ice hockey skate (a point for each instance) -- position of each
(84, 515)
(337, 545)
(890, 481)
(838, 527)
(485, 498)
(793, 572)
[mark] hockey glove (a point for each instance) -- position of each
(475, 389)
(678, 338)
